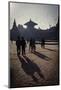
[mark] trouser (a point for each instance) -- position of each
(23, 50)
(18, 50)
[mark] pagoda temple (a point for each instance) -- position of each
(31, 31)
(30, 24)
(14, 32)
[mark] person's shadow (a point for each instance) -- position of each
(44, 57)
(30, 68)
(12, 81)
(50, 49)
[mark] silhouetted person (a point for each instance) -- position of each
(43, 43)
(23, 43)
(18, 44)
(32, 46)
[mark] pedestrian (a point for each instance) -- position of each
(18, 44)
(23, 43)
(32, 46)
(43, 43)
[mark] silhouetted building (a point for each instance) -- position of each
(21, 30)
(57, 29)
(31, 32)
(14, 32)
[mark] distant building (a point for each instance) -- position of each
(31, 32)
(14, 32)
(21, 30)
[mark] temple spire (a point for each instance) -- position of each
(14, 23)
(30, 23)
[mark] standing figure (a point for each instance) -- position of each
(32, 46)
(23, 43)
(43, 43)
(18, 44)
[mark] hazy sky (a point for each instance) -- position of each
(44, 15)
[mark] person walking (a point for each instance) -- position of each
(42, 43)
(18, 44)
(32, 46)
(23, 43)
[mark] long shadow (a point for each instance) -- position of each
(30, 68)
(50, 49)
(42, 56)
(12, 81)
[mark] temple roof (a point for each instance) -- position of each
(30, 23)
(14, 23)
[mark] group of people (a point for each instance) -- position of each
(21, 45)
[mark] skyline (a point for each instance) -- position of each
(44, 15)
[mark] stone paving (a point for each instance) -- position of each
(35, 69)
